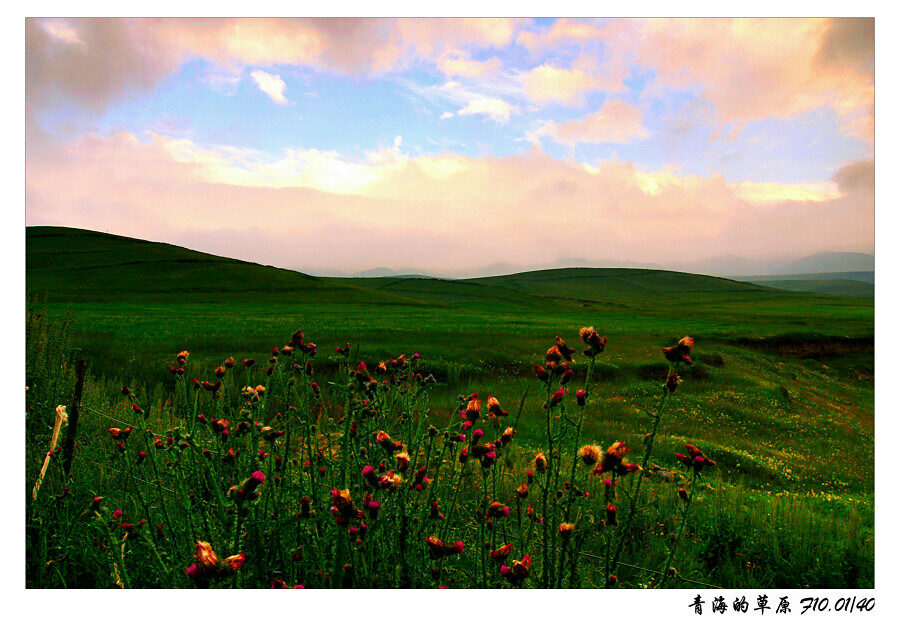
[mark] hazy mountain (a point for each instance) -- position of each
(727, 265)
(383, 272)
(732, 265)
(722, 265)
(830, 262)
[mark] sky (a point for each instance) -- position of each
(447, 145)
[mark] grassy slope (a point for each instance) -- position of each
(772, 417)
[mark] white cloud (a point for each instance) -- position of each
(272, 85)
(495, 108)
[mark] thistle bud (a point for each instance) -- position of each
(580, 397)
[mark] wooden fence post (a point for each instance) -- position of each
(69, 445)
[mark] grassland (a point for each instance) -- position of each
(781, 394)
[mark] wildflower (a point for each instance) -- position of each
(235, 562)
(126, 390)
(518, 572)
(248, 362)
(672, 382)
(553, 354)
(494, 407)
(566, 530)
(420, 478)
(220, 371)
(501, 553)
(204, 555)
(256, 478)
(580, 397)
(540, 372)
(488, 459)
(182, 357)
(438, 549)
(117, 514)
(498, 510)
(589, 454)
(566, 351)
(433, 513)
(685, 460)
(477, 434)
(529, 476)
(373, 507)
(473, 409)
(627, 468)
(682, 493)
(612, 460)
(567, 376)
(229, 362)
(207, 567)
(540, 462)
(402, 461)
(522, 490)
(384, 440)
(120, 433)
(508, 433)
(697, 459)
(368, 472)
(390, 481)
(141, 456)
(590, 337)
(557, 397)
(612, 580)
(464, 454)
(681, 351)
(611, 515)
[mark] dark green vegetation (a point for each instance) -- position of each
(781, 393)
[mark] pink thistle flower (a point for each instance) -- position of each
(235, 562)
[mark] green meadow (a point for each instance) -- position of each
(780, 393)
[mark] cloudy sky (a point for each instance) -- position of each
(449, 144)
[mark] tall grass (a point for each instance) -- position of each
(279, 473)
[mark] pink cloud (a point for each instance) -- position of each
(752, 69)
(91, 61)
(615, 122)
(562, 31)
(427, 211)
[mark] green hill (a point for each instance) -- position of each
(139, 294)
(65, 264)
(602, 283)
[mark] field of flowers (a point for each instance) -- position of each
(275, 474)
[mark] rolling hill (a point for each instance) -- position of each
(110, 278)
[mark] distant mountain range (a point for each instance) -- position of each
(732, 265)
(724, 265)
